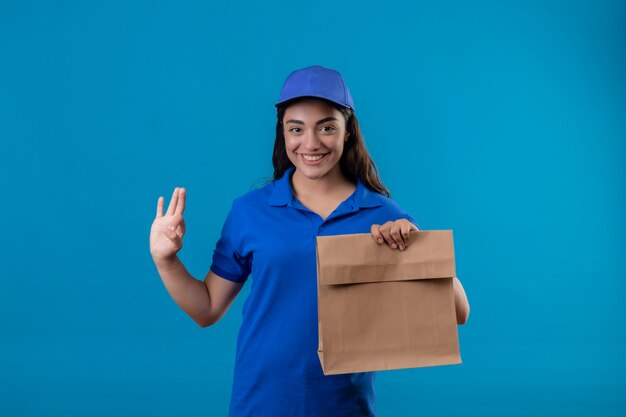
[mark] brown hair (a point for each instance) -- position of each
(355, 160)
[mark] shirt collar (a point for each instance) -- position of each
(282, 194)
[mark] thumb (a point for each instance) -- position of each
(171, 232)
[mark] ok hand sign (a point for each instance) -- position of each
(166, 234)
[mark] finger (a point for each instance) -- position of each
(180, 207)
(172, 207)
(394, 231)
(160, 207)
(180, 230)
(182, 225)
(385, 230)
(405, 229)
(176, 221)
(375, 230)
(176, 239)
(408, 233)
(170, 233)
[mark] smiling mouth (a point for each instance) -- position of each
(312, 157)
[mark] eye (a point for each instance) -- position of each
(331, 127)
(294, 128)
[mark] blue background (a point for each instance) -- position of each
(504, 121)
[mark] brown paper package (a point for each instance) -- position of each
(381, 308)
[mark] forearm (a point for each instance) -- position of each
(460, 302)
(189, 293)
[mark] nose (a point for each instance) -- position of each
(311, 141)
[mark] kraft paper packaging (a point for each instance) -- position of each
(381, 308)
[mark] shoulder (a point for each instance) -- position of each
(388, 202)
(393, 210)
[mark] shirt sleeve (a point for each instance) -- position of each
(399, 213)
(228, 261)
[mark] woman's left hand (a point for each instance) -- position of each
(394, 233)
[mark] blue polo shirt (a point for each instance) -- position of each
(269, 235)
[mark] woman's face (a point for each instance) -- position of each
(314, 128)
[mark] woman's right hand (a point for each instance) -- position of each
(166, 233)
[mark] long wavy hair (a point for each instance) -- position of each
(355, 160)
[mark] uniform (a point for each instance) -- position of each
(270, 235)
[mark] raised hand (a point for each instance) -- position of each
(167, 231)
(394, 233)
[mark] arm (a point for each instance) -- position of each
(460, 302)
(223, 292)
(205, 302)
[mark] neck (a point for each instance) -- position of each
(332, 183)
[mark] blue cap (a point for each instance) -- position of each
(316, 81)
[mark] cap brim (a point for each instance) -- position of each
(283, 102)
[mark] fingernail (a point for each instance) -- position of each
(401, 247)
(393, 245)
(380, 240)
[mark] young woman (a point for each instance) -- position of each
(325, 183)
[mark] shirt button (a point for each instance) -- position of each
(321, 228)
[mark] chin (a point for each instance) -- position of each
(313, 175)
(313, 172)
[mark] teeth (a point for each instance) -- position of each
(312, 158)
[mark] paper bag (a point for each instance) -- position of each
(381, 308)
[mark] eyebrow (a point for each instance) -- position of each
(300, 122)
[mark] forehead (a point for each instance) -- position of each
(311, 108)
